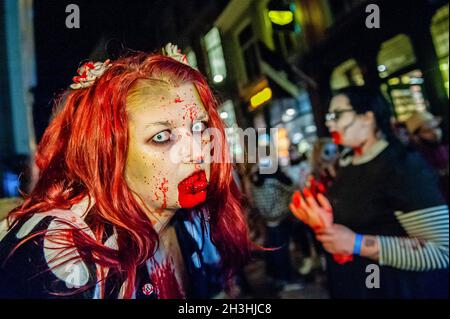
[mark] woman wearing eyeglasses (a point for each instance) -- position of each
(383, 219)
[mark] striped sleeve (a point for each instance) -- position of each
(425, 248)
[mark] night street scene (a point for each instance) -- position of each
(226, 149)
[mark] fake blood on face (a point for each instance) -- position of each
(337, 138)
(192, 190)
(191, 111)
(163, 188)
(358, 150)
(178, 99)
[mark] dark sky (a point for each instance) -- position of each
(138, 24)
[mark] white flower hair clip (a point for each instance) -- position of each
(88, 73)
(172, 51)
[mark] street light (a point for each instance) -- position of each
(218, 78)
(260, 98)
(282, 15)
(291, 111)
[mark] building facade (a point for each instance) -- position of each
(406, 57)
(326, 46)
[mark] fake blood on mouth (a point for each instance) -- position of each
(192, 190)
(337, 138)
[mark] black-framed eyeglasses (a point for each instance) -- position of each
(335, 116)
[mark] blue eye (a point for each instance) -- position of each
(162, 137)
(199, 127)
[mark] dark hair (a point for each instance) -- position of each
(365, 99)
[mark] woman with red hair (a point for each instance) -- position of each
(123, 208)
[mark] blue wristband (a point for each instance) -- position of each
(358, 242)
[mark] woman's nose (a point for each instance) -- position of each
(192, 148)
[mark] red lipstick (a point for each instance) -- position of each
(336, 136)
(192, 190)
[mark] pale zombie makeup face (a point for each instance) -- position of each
(162, 167)
(346, 127)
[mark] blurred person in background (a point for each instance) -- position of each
(401, 132)
(17, 174)
(323, 160)
(426, 138)
(383, 210)
(322, 170)
(299, 168)
(271, 196)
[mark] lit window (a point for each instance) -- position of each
(346, 74)
(228, 116)
(216, 59)
(395, 54)
(439, 31)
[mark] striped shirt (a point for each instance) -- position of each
(391, 193)
(425, 248)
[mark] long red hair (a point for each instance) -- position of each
(84, 150)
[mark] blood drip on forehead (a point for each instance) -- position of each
(178, 99)
(191, 110)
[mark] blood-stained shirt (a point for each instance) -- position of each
(46, 268)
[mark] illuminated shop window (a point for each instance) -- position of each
(406, 92)
(346, 74)
(213, 47)
(443, 65)
(295, 115)
(403, 83)
(228, 116)
(395, 54)
(439, 31)
(283, 143)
